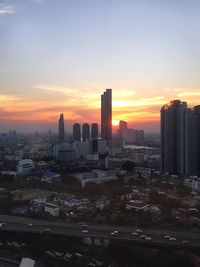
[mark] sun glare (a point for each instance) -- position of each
(115, 122)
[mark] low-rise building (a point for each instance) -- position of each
(52, 209)
(25, 166)
(98, 176)
(137, 205)
(50, 177)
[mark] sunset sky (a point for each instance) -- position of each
(60, 55)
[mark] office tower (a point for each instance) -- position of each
(85, 131)
(77, 132)
(122, 128)
(61, 128)
(106, 115)
(94, 137)
(192, 146)
(139, 135)
(173, 139)
(94, 131)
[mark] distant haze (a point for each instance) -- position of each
(59, 56)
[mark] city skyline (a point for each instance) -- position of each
(57, 57)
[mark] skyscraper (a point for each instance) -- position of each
(85, 131)
(192, 144)
(106, 115)
(94, 137)
(173, 139)
(61, 128)
(122, 127)
(94, 131)
(77, 132)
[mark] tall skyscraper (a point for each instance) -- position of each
(77, 132)
(122, 128)
(94, 131)
(61, 128)
(94, 137)
(192, 144)
(85, 131)
(177, 143)
(106, 115)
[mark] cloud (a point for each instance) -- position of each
(57, 89)
(191, 93)
(40, 1)
(6, 9)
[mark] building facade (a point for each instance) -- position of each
(61, 128)
(85, 132)
(180, 144)
(106, 115)
(77, 132)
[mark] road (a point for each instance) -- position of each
(71, 229)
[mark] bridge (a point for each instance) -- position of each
(99, 234)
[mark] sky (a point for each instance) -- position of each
(59, 56)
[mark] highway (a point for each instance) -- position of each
(71, 229)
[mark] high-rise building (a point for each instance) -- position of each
(85, 131)
(139, 135)
(77, 132)
(173, 137)
(61, 128)
(94, 131)
(122, 127)
(106, 115)
(94, 137)
(192, 144)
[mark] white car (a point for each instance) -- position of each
(114, 233)
(30, 224)
(167, 237)
(185, 241)
(172, 239)
(148, 238)
(85, 231)
(139, 230)
(134, 234)
(143, 236)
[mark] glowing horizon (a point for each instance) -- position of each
(59, 56)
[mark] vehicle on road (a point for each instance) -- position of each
(172, 239)
(134, 234)
(143, 236)
(148, 238)
(114, 233)
(167, 237)
(139, 230)
(185, 241)
(84, 225)
(30, 224)
(47, 230)
(85, 231)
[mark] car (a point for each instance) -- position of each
(148, 238)
(134, 234)
(116, 232)
(47, 229)
(84, 225)
(85, 231)
(167, 237)
(143, 236)
(172, 239)
(30, 224)
(113, 233)
(139, 230)
(185, 241)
